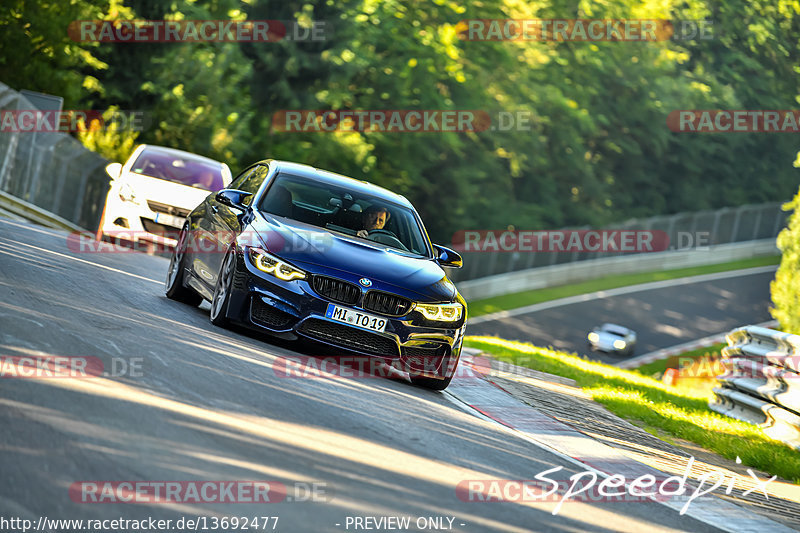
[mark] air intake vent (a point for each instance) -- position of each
(169, 209)
(386, 304)
(269, 316)
(337, 290)
(349, 337)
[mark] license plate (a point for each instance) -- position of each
(169, 220)
(355, 318)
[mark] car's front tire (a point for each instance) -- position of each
(447, 368)
(174, 287)
(222, 291)
(431, 383)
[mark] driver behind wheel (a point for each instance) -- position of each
(374, 217)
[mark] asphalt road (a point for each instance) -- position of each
(661, 318)
(193, 402)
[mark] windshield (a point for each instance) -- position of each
(177, 168)
(615, 331)
(331, 207)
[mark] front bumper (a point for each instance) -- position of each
(608, 347)
(293, 308)
(130, 223)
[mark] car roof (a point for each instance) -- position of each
(179, 153)
(346, 182)
(614, 327)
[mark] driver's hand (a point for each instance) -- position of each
(363, 233)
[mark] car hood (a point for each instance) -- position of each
(165, 192)
(323, 252)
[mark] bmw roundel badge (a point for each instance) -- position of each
(365, 282)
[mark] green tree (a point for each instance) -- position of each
(785, 288)
(38, 53)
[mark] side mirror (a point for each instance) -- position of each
(113, 170)
(447, 257)
(233, 198)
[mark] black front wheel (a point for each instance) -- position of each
(173, 286)
(436, 383)
(431, 383)
(222, 292)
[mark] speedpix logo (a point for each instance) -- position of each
(586, 486)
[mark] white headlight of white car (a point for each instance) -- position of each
(126, 193)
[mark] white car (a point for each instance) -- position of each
(152, 193)
(612, 338)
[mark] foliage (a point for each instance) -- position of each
(785, 287)
(597, 149)
(111, 142)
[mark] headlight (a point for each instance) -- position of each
(126, 193)
(619, 344)
(594, 337)
(441, 312)
(272, 265)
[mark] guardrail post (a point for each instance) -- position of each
(779, 219)
(736, 221)
(8, 161)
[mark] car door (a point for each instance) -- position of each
(204, 243)
(225, 223)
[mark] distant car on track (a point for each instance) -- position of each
(285, 251)
(152, 193)
(612, 338)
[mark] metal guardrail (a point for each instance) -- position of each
(761, 384)
(51, 170)
(538, 278)
(27, 211)
(728, 225)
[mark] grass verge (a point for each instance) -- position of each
(656, 369)
(679, 412)
(521, 299)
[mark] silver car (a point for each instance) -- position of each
(612, 338)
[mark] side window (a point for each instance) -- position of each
(241, 178)
(253, 181)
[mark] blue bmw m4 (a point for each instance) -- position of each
(296, 251)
